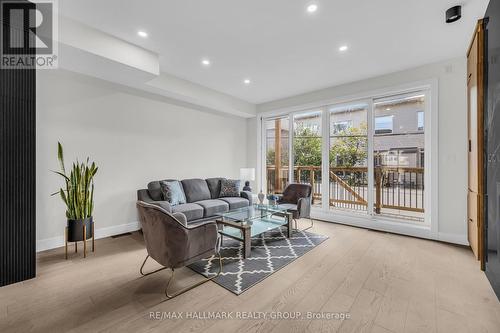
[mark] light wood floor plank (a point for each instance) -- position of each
(386, 282)
(421, 317)
(365, 307)
(392, 313)
(379, 329)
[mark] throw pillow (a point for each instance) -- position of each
(172, 192)
(229, 188)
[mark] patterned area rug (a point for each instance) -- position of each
(271, 251)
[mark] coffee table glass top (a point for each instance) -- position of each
(260, 218)
(251, 212)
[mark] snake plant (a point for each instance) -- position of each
(78, 194)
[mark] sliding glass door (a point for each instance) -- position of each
(364, 157)
(277, 136)
(306, 148)
(399, 156)
(348, 157)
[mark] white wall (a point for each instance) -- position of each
(452, 132)
(134, 137)
(252, 151)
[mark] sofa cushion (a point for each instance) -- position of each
(229, 188)
(172, 192)
(154, 189)
(213, 206)
(195, 190)
(291, 208)
(214, 187)
(236, 202)
(191, 210)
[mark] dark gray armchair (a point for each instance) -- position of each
(297, 199)
(173, 244)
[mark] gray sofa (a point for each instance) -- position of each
(202, 199)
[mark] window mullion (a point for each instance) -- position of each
(325, 160)
(371, 171)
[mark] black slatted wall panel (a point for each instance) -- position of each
(492, 147)
(17, 175)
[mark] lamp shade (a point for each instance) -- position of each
(247, 173)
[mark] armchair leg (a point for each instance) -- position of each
(182, 291)
(142, 267)
(309, 227)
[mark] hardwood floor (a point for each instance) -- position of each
(386, 282)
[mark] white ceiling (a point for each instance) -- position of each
(284, 50)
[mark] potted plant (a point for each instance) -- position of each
(78, 195)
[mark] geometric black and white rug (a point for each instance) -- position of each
(271, 251)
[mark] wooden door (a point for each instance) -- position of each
(472, 223)
(475, 132)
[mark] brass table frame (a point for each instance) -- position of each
(246, 232)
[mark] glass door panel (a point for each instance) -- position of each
(307, 151)
(277, 154)
(399, 156)
(348, 156)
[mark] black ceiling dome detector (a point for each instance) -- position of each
(453, 14)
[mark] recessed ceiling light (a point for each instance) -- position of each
(247, 81)
(343, 48)
(142, 34)
(312, 8)
(388, 109)
(205, 62)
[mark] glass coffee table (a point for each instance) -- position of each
(244, 223)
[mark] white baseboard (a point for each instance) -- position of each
(391, 226)
(55, 242)
(453, 238)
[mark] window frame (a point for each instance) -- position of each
(420, 128)
(431, 123)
